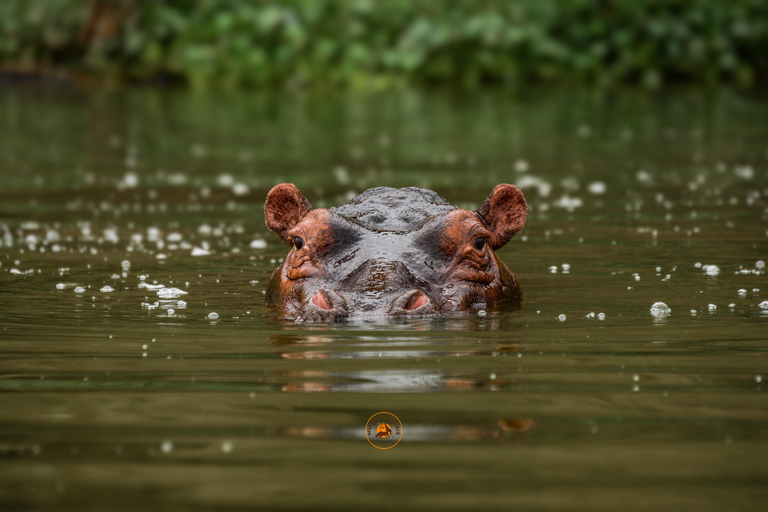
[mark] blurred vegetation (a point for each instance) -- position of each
(368, 42)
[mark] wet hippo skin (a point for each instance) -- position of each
(392, 252)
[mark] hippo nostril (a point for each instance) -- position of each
(416, 300)
(320, 301)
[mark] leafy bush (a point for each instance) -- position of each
(458, 42)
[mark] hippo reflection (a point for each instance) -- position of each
(392, 252)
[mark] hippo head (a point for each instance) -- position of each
(392, 252)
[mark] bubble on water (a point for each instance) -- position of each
(732, 305)
(181, 304)
(199, 251)
(161, 256)
(130, 180)
(744, 172)
(561, 318)
(712, 307)
(61, 286)
(240, 189)
(258, 244)
(79, 289)
(171, 312)
(566, 268)
(482, 312)
(107, 289)
(492, 376)
(591, 315)
(170, 293)
(568, 203)
(553, 269)
(693, 312)
(521, 165)
(596, 187)
(760, 264)
(342, 175)
(150, 287)
(711, 270)
(763, 305)
(213, 315)
(637, 278)
(601, 316)
(660, 310)
(742, 292)
(144, 354)
(635, 378)
(166, 446)
(758, 378)
(144, 347)
(697, 264)
(226, 446)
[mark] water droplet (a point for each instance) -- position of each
(601, 316)
(561, 318)
(226, 446)
(166, 446)
(107, 289)
(213, 316)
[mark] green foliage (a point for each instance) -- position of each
(458, 42)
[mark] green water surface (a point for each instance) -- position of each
(126, 400)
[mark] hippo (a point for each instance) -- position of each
(392, 253)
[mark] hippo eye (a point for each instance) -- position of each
(479, 243)
(298, 242)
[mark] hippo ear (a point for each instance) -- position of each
(284, 208)
(504, 212)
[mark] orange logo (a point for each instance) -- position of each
(383, 430)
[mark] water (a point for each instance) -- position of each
(179, 389)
